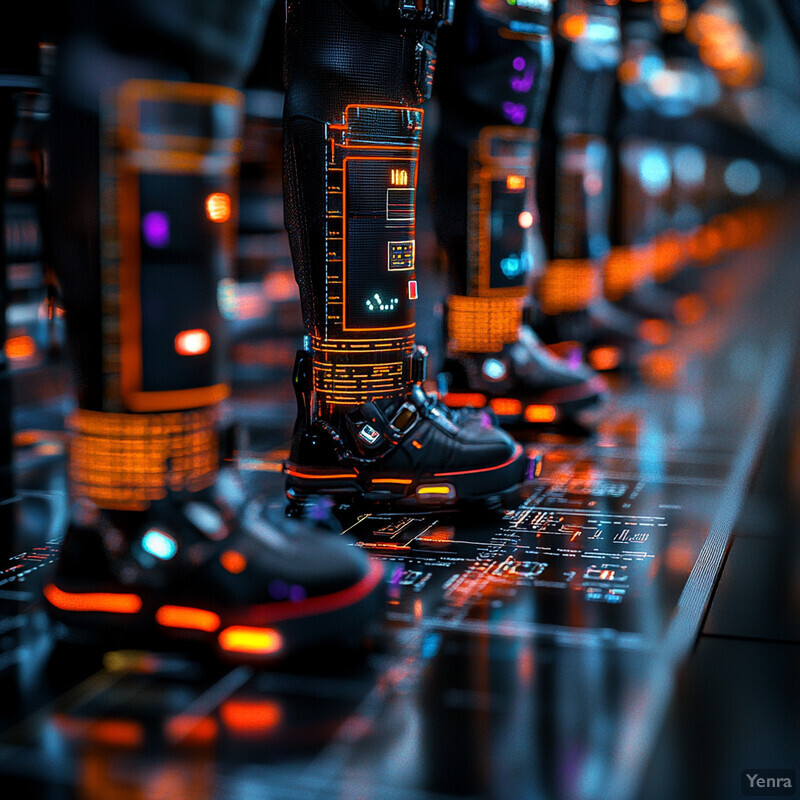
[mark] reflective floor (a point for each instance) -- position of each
(548, 650)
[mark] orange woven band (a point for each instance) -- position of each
(482, 324)
(570, 284)
(125, 461)
(627, 268)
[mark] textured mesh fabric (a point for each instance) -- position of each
(334, 57)
(100, 45)
(483, 79)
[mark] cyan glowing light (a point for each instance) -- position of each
(742, 177)
(159, 544)
(493, 369)
(377, 303)
(515, 112)
(155, 229)
(655, 172)
(511, 265)
(690, 165)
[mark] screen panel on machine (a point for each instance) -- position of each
(178, 279)
(379, 243)
(509, 220)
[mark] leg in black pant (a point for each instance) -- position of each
(145, 159)
(357, 73)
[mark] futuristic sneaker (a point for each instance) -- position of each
(406, 453)
(523, 383)
(187, 571)
(608, 334)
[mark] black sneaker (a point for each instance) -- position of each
(524, 383)
(251, 589)
(407, 453)
(608, 334)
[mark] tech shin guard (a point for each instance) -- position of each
(493, 96)
(357, 73)
(576, 185)
(169, 166)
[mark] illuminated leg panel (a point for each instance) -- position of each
(356, 75)
(493, 100)
(500, 241)
(169, 166)
(367, 335)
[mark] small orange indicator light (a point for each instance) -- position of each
(233, 561)
(463, 399)
(254, 641)
(195, 619)
(93, 601)
(572, 26)
(218, 207)
(604, 358)
(690, 309)
(18, 347)
(250, 716)
(192, 729)
(525, 219)
(401, 481)
(655, 331)
(416, 444)
(515, 183)
(506, 406)
(119, 733)
(541, 413)
(399, 177)
(193, 342)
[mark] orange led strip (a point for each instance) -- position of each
(250, 716)
(541, 413)
(195, 619)
(506, 406)
(250, 640)
(465, 399)
(110, 602)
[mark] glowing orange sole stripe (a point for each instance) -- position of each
(256, 641)
(517, 453)
(460, 400)
(195, 619)
(506, 405)
(93, 601)
(403, 481)
(541, 413)
(296, 474)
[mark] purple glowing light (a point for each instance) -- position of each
(522, 83)
(155, 229)
(519, 63)
(278, 589)
(297, 593)
(514, 112)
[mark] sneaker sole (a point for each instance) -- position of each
(263, 633)
(436, 490)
